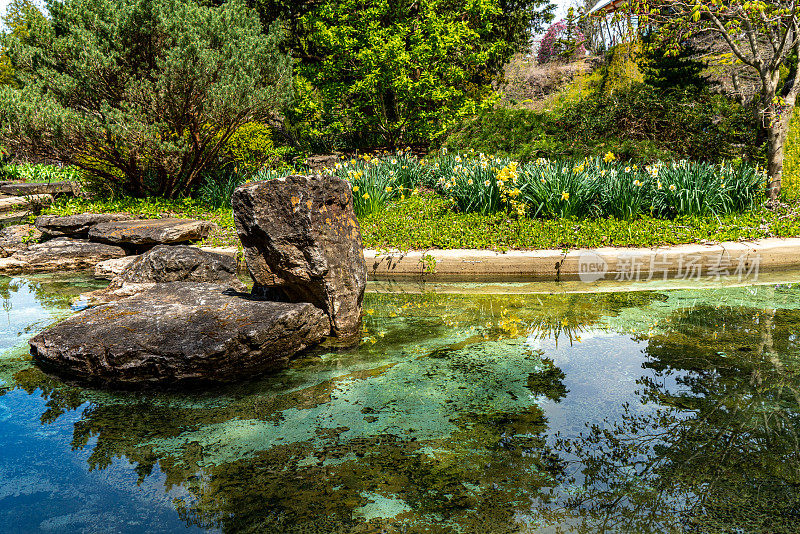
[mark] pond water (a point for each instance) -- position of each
(656, 411)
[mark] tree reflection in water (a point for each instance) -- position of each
(720, 451)
(710, 446)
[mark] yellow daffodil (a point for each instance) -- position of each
(355, 189)
(564, 195)
(365, 196)
(609, 157)
(388, 189)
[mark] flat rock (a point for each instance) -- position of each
(36, 188)
(75, 225)
(302, 243)
(166, 263)
(178, 334)
(17, 237)
(60, 254)
(24, 203)
(108, 269)
(149, 232)
(13, 217)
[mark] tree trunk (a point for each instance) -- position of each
(777, 132)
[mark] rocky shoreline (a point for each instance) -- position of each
(177, 316)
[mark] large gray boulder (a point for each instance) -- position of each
(75, 225)
(302, 243)
(59, 254)
(181, 263)
(149, 232)
(177, 334)
(168, 263)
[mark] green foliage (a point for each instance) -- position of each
(399, 72)
(668, 69)
(558, 189)
(477, 183)
(28, 172)
(19, 16)
(638, 122)
(790, 189)
(472, 183)
(427, 220)
(141, 94)
(697, 189)
(250, 147)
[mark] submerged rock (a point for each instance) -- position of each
(146, 233)
(302, 243)
(177, 334)
(75, 225)
(60, 254)
(17, 237)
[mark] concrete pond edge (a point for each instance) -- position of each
(744, 260)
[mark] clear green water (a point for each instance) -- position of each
(661, 411)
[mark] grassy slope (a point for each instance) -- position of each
(428, 222)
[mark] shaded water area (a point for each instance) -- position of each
(656, 411)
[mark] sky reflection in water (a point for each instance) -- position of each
(631, 412)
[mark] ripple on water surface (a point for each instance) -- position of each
(633, 412)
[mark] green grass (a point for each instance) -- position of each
(39, 172)
(428, 221)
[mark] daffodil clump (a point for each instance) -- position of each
(590, 188)
(476, 185)
(379, 179)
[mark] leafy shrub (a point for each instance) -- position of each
(250, 147)
(141, 94)
(396, 73)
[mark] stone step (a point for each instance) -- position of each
(20, 203)
(59, 254)
(150, 232)
(38, 188)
